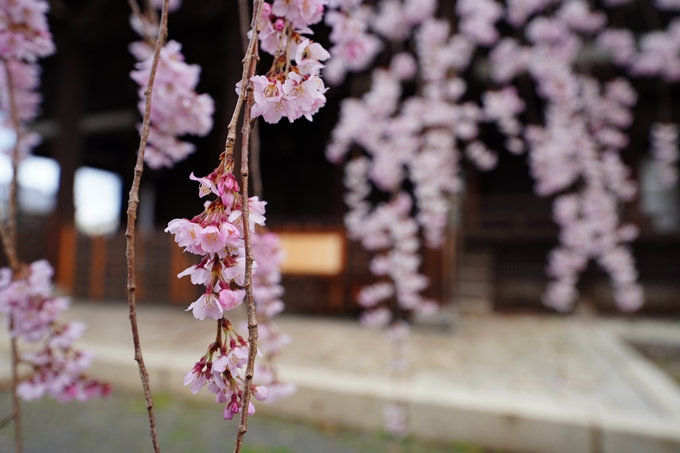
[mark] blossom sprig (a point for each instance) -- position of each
(354, 48)
(25, 81)
(176, 108)
(664, 148)
(24, 34)
(292, 87)
(57, 366)
(267, 292)
(389, 231)
(220, 371)
(417, 139)
(576, 152)
(24, 37)
(217, 234)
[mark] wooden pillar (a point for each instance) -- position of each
(66, 148)
(66, 265)
(98, 255)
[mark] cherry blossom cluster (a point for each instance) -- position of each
(25, 79)
(24, 34)
(31, 312)
(415, 139)
(657, 54)
(217, 234)
(353, 46)
(392, 234)
(24, 37)
(26, 295)
(412, 141)
(267, 292)
(578, 146)
(176, 109)
(389, 231)
(292, 87)
(575, 150)
(220, 371)
(664, 148)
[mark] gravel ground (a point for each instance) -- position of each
(119, 424)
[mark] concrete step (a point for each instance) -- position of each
(474, 305)
(516, 384)
(469, 289)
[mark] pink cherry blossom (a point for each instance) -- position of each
(57, 368)
(230, 299)
(176, 109)
(206, 306)
(24, 34)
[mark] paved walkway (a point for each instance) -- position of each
(517, 383)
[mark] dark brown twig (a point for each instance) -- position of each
(246, 95)
(9, 242)
(16, 407)
(8, 232)
(252, 314)
(143, 19)
(245, 77)
(255, 172)
(133, 202)
(7, 420)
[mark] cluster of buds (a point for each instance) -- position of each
(292, 87)
(218, 234)
(31, 311)
(219, 370)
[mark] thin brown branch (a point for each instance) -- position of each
(143, 19)
(9, 242)
(245, 76)
(7, 420)
(8, 232)
(249, 65)
(252, 314)
(16, 406)
(255, 172)
(133, 202)
(244, 23)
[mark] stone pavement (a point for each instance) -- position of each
(516, 383)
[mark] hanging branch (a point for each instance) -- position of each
(133, 202)
(16, 407)
(251, 53)
(9, 242)
(252, 314)
(143, 20)
(246, 95)
(255, 132)
(9, 418)
(8, 231)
